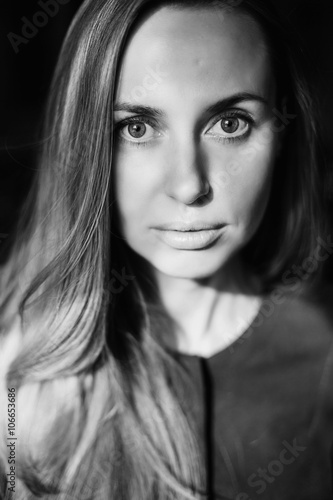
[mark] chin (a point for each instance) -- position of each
(192, 265)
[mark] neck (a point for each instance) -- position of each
(209, 313)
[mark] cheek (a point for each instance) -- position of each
(250, 179)
(134, 187)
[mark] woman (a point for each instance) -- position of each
(154, 330)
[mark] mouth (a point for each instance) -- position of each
(189, 227)
(194, 236)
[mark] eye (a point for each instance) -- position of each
(136, 130)
(232, 125)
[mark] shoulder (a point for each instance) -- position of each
(299, 322)
(298, 337)
(292, 345)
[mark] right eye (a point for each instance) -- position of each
(136, 130)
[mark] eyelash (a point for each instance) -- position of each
(226, 140)
(235, 114)
(129, 121)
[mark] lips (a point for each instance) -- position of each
(189, 236)
(189, 226)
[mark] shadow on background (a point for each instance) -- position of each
(28, 66)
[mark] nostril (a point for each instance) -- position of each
(204, 198)
(207, 193)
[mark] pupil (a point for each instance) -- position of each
(137, 130)
(230, 125)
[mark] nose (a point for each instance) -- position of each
(187, 179)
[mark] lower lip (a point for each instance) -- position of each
(190, 240)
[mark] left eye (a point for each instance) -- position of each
(230, 126)
(133, 131)
(137, 130)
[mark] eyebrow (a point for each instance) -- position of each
(225, 103)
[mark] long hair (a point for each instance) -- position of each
(100, 411)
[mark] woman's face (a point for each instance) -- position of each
(194, 149)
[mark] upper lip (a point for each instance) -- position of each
(189, 226)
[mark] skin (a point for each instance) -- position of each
(186, 168)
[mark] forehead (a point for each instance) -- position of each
(195, 51)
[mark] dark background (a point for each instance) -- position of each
(25, 78)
